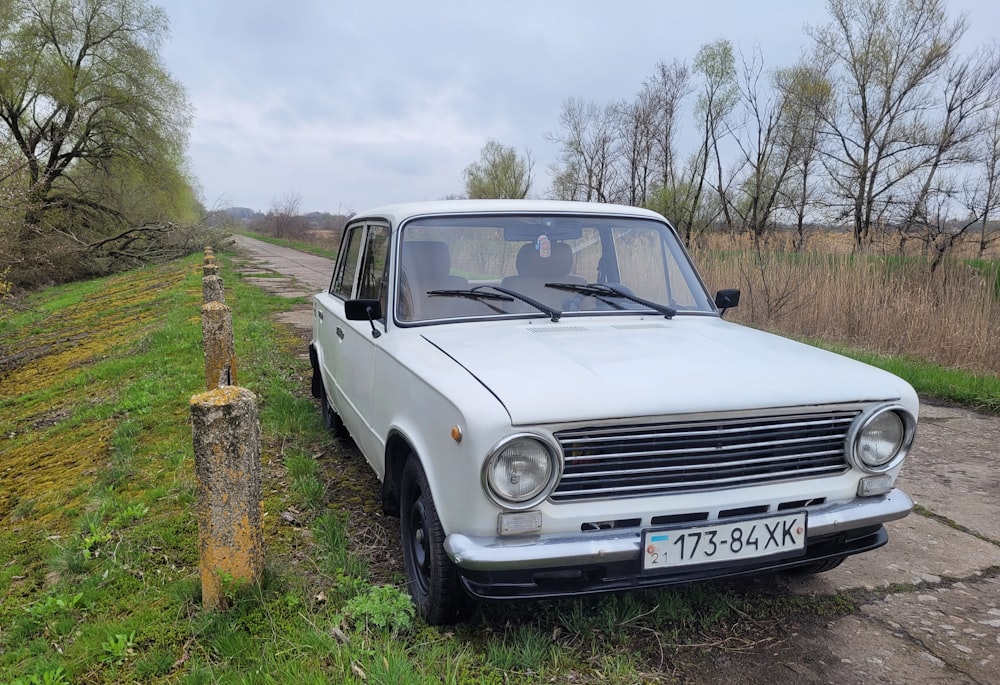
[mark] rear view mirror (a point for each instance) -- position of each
(364, 310)
(727, 299)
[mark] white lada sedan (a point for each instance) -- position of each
(554, 405)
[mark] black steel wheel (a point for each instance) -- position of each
(431, 576)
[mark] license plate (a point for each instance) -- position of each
(668, 548)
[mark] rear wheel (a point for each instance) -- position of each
(431, 576)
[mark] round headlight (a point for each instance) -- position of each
(883, 439)
(519, 470)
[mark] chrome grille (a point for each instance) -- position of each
(656, 459)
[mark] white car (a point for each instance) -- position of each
(554, 405)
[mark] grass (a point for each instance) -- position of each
(100, 579)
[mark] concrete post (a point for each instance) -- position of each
(226, 439)
(212, 290)
(217, 336)
(210, 270)
(209, 259)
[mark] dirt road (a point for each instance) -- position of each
(930, 609)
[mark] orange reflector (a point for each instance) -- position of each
(456, 434)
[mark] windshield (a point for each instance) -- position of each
(558, 265)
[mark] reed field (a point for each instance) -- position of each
(879, 301)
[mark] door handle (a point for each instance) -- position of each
(340, 332)
(319, 314)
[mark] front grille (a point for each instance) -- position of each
(656, 459)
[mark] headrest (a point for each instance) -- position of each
(426, 259)
(558, 263)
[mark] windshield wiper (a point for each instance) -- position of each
(605, 290)
(554, 314)
(474, 294)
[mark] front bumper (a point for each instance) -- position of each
(600, 561)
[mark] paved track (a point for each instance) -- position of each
(934, 613)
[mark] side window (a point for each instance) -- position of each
(372, 278)
(347, 267)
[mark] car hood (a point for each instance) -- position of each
(586, 370)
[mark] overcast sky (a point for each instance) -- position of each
(349, 104)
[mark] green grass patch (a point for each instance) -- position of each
(932, 382)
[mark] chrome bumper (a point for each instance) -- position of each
(575, 549)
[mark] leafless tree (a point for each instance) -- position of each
(805, 96)
(765, 164)
(882, 57)
(284, 219)
(588, 166)
(954, 146)
(667, 89)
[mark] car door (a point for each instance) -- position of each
(349, 346)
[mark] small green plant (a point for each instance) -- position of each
(118, 647)
(51, 676)
(94, 538)
(383, 606)
(130, 513)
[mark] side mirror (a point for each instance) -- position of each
(364, 310)
(727, 299)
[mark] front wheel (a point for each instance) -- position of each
(431, 576)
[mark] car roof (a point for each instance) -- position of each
(398, 213)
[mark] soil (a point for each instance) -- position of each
(928, 603)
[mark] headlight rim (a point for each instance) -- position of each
(554, 453)
(864, 420)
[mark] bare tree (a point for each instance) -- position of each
(765, 164)
(882, 57)
(716, 98)
(667, 89)
(284, 219)
(988, 189)
(805, 97)
(954, 143)
(637, 134)
(588, 166)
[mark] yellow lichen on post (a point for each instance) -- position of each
(220, 354)
(226, 440)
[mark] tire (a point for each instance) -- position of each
(431, 577)
(818, 566)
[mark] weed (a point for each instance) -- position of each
(382, 606)
(118, 647)
(52, 676)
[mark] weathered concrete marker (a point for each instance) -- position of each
(217, 336)
(226, 439)
(212, 290)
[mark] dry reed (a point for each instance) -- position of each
(879, 302)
